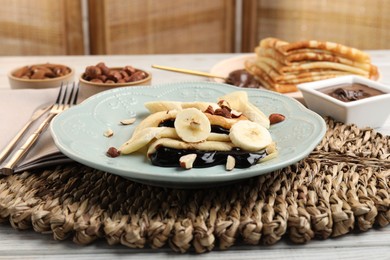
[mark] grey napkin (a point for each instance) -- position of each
(16, 108)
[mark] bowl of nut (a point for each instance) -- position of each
(37, 76)
(99, 77)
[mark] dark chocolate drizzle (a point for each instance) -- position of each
(169, 157)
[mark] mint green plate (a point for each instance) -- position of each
(78, 132)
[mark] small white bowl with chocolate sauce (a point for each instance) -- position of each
(349, 99)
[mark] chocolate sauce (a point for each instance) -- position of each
(351, 92)
(242, 78)
(169, 157)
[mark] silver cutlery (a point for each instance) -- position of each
(11, 145)
(63, 102)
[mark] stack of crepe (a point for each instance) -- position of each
(281, 65)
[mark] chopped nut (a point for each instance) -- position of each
(276, 118)
(230, 163)
(128, 121)
(113, 152)
(209, 110)
(224, 112)
(235, 113)
(187, 161)
(223, 103)
(108, 133)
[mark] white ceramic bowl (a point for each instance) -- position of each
(368, 112)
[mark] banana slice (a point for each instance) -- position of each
(181, 145)
(153, 120)
(142, 138)
(239, 101)
(249, 136)
(235, 99)
(192, 125)
(256, 115)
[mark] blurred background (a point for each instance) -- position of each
(109, 27)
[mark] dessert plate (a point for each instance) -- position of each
(224, 67)
(79, 132)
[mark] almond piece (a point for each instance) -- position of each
(235, 113)
(187, 161)
(230, 163)
(128, 121)
(108, 133)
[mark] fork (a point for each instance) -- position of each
(63, 102)
(35, 116)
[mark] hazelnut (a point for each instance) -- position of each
(139, 75)
(111, 76)
(113, 152)
(276, 118)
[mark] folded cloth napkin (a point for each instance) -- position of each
(16, 108)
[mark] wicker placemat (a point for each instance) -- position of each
(343, 185)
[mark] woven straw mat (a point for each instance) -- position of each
(343, 185)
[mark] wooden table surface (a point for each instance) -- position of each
(373, 244)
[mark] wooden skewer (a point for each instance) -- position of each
(192, 72)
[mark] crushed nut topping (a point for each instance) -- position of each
(108, 133)
(187, 161)
(224, 110)
(128, 121)
(113, 152)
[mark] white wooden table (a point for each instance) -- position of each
(374, 244)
